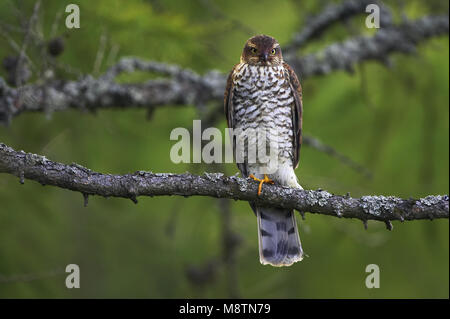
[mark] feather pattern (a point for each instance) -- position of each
(268, 97)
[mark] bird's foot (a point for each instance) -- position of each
(261, 181)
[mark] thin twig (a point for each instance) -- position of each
(28, 34)
(100, 54)
(327, 149)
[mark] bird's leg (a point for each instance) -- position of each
(261, 181)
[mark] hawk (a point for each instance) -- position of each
(264, 93)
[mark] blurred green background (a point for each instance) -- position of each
(394, 121)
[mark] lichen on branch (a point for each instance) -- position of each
(141, 183)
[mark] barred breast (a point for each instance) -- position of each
(262, 99)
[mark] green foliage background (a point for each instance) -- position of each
(394, 121)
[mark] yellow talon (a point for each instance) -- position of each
(261, 181)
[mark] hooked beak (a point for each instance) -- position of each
(263, 57)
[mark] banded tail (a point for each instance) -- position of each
(279, 241)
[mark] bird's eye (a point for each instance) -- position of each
(273, 51)
(253, 50)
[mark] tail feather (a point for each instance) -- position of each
(279, 241)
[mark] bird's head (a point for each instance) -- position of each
(262, 50)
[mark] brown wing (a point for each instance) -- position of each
(297, 112)
(228, 99)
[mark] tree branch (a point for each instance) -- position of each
(403, 38)
(185, 87)
(78, 178)
(332, 14)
